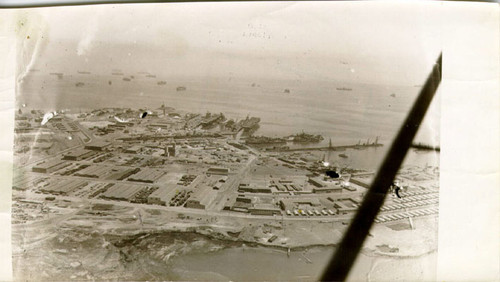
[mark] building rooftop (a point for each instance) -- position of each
(49, 164)
(147, 175)
(101, 144)
(122, 191)
(78, 152)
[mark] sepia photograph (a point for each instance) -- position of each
(225, 141)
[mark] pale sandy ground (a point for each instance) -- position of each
(36, 253)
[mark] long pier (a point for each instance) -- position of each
(330, 148)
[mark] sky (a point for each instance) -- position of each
(363, 42)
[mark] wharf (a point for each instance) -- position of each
(329, 148)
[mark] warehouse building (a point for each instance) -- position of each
(200, 199)
(264, 209)
(107, 172)
(133, 150)
(251, 188)
(325, 186)
(121, 173)
(346, 206)
(163, 195)
(24, 181)
(49, 166)
(63, 187)
(362, 179)
(316, 181)
(304, 203)
(162, 125)
(122, 192)
(78, 155)
(218, 171)
(98, 146)
(170, 151)
(146, 175)
(93, 171)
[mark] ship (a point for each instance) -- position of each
(249, 125)
(162, 82)
(305, 138)
(393, 95)
(211, 120)
(425, 147)
(126, 79)
(344, 89)
(181, 88)
(151, 75)
(287, 91)
(260, 140)
(343, 156)
(83, 72)
(59, 74)
(116, 73)
(79, 84)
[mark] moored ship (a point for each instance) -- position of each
(249, 125)
(305, 138)
(264, 140)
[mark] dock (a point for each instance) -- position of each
(329, 148)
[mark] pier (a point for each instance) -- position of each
(330, 148)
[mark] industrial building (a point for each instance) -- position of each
(122, 192)
(63, 187)
(93, 171)
(163, 195)
(250, 188)
(345, 206)
(200, 199)
(78, 155)
(133, 150)
(242, 204)
(146, 175)
(49, 166)
(170, 150)
(264, 209)
(285, 185)
(296, 203)
(218, 171)
(98, 146)
(107, 172)
(362, 179)
(24, 181)
(162, 125)
(325, 186)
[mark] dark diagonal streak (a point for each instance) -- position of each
(343, 259)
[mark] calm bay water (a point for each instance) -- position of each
(257, 264)
(315, 107)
